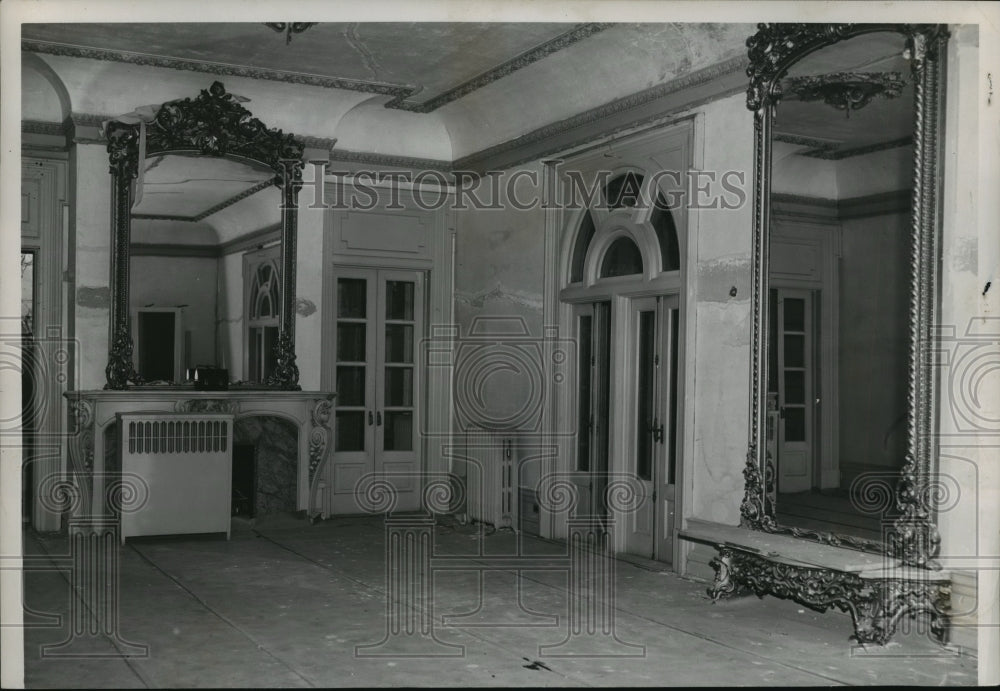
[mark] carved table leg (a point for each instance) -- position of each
(725, 584)
(890, 600)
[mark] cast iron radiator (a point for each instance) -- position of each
(490, 489)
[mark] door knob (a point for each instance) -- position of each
(378, 419)
(371, 418)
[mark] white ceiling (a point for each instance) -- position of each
(496, 81)
(490, 83)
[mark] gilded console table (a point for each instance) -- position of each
(876, 590)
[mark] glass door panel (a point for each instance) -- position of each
(353, 357)
(794, 388)
(400, 324)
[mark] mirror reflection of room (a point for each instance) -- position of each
(204, 269)
(839, 284)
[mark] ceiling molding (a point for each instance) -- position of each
(801, 140)
(710, 83)
(399, 93)
(162, 249)
(73, 51)
(897, 201)
(835, 154)
(57, 129)
(89, 120)
(821, 148)
(324, 143)
(502, 70)
(409, 162)
(253, 240)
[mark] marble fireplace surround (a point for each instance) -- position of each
(93, 414)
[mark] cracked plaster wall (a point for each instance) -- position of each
(498, 289)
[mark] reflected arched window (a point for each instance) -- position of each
(264, 294)
(622, 259)
(623, 191)
(666, 234)
(262, 311)
(584, 236)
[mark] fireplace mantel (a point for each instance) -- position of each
(92, 412)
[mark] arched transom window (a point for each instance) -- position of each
(628, 232)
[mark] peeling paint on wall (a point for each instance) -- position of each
(527, 300)
(717, 278)
(965, 256)
(304, 307)
(93, 297)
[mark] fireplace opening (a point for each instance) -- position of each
(244, 479)
(265, 466)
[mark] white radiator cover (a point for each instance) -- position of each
(183, 464)
(491, 477)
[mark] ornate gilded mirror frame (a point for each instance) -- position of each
(212, 124)
(913, 536)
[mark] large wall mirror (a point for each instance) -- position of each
(204, 204)
(847, 121)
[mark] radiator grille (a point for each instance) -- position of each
(188, 436)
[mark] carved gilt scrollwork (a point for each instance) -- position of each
(214, 123)
(876, 605)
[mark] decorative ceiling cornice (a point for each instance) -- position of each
(324, 143)
(504, 69)
(37, 127)
(399, 92)
(820, 148)
(804, 141)
(835, 154)
(409, 162)
(620, 105)
(73, 51)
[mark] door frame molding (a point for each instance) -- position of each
(824, 235)
(52, 320)
(558, 304)
(438, 264)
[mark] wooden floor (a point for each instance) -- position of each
(300, 605)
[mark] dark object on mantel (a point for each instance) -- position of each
(210, 378)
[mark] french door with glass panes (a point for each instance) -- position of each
(651, 392)
(593, 335)
(378, 326)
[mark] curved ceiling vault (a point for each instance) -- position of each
(420, 90)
